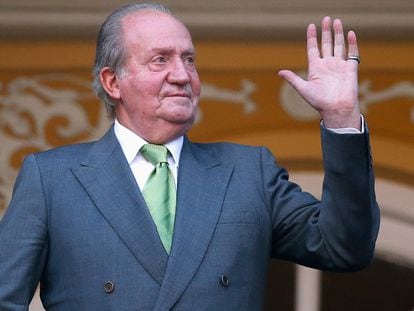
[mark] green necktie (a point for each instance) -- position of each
(159, 192)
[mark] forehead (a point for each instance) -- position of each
(150, 28)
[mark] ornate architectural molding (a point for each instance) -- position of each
(261, 19)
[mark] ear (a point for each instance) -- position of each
(109, 82)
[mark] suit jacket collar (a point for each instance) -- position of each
(106, 176)
(202, 184)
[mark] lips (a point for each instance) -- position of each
(179, 95)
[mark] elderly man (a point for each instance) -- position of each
(144, 219)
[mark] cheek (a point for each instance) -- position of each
(140, 84)
(139, 97)
(149, 89)
(196, 86)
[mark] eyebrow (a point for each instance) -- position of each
(168, 50)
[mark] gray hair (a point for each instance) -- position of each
(110, 51)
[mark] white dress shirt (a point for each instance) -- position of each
(131, 143)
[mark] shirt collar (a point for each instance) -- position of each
(131, 143)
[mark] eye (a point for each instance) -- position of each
(189, 61)
(158, 63)
(159, 60)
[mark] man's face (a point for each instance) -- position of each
(159, 87)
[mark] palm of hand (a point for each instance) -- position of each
(332, 85)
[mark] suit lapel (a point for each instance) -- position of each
(202, 184)
(107, 178)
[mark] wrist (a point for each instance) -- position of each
(339, 120)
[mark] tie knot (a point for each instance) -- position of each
(154, 153)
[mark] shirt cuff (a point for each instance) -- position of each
(348, 130)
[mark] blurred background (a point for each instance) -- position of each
(46, 100)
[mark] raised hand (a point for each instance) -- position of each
(332, 84)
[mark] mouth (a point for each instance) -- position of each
(185, 95)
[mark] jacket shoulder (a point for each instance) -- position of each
(70, 153)
(232, 152)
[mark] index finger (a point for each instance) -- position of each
(312, 43)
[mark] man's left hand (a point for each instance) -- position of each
(332, 85)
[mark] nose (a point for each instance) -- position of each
(178, 73)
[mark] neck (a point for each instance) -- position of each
(159, 135)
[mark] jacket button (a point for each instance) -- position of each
(109, 287)
(224, 280)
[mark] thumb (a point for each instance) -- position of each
(293, 79)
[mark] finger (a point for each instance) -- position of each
(294, 80)
(326, 45)
(339, 47)
(312, 43)
(352, 44)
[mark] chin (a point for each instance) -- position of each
(180, 117)
(180, 126)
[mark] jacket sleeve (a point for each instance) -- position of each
(339, 231)
(23, 239)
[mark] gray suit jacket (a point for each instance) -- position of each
(78, 223)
